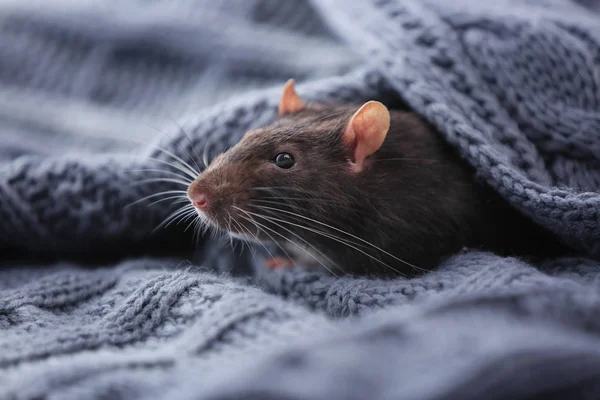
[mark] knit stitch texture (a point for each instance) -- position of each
(96, 96)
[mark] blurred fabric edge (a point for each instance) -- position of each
(93, 74)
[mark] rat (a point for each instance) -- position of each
(357, 189)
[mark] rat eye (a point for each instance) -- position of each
(284, 160)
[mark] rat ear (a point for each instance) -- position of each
(366, 131)
(290, 102)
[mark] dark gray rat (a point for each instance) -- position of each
(357, 189)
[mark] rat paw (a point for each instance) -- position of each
(279, 262)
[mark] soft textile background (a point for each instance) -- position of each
(89, 308)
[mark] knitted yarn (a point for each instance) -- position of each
(512, 85)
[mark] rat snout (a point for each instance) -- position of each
(211, 200)
(199, 196)
(214, 198)
(199, 200)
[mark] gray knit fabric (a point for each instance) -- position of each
(96, 305)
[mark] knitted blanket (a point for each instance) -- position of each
(99, 99)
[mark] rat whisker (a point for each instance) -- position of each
(310, 200)
(270, 219)
(192, 171)
(352, 245)
(229, 227)
(251, 245)
(173, 215)
(211, 232)
(184, 167)
(348, 234)
(339, 240)
(270, 237)
(181, 218)
(216, 234)
(304, 241)
(170, 164)
(162, 171)
(140, 142)
(187, 217)
(198, 229)
(181, 192)
(308, 195)
(179, 179)
(331, 227)
(209, 229)
(221, 237)
(204, 225)
(270, 210)
(181, 200)
(177, 144)
(231, 241)
(194, 224)
(354, 209)
(191, 223)
(322, 232)
(258, 224)
(244, 241)
(255, 236)
(184, 183)
(233, 245)
(190, 142)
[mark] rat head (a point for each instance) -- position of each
(306, 162)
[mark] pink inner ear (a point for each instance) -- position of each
(366, 131)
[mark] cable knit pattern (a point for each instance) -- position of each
(95, 97)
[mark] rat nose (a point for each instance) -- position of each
(199, 200)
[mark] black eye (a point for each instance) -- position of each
(284, 160)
